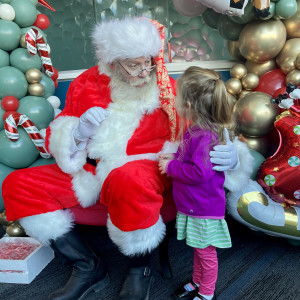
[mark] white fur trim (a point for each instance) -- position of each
(138, 241)
(60, 145)
(126, 38)
(170, 147)
(48, 226)
(236, 179)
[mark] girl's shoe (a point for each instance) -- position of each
(200, 297)
(182, 293)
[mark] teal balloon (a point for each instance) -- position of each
(4, 171)
(4, 58)
(25, 12)
(258, 160)
(6, 1)
(211, 18)
(249, 15)
(18, 154)
(12, 82)
(10, 34)
(285, 8)
(37, 109)
(22, 60)
(34, 2)
(43, 161)
(49, 85)
(25, 29)
(228, 29)
(2, 111)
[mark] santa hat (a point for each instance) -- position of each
(126, 38)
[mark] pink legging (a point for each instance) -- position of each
(205, 269)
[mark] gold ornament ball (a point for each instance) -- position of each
(260, 41)
(238, 71)
(297, 62)
(233, 86)
(260, 144)
(260, 68)
(33, 75)
(3, 220)
(36, 89)
(290, 50)
(243, 93)
(15, 230)
(250, 81)
(293, 77)
(23, 41)
(234, 51)
(255, 114)
(292, 24)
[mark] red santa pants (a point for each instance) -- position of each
(133, 193)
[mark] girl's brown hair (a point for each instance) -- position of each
(205, 102)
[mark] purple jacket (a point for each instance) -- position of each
(197, 189)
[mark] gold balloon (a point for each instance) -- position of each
(231, 99)
(22, 41)
(233, 86)
(243, 93)
(234, 51)
(292, 24)
(36, 89)
(238, 71)
(290, 50)
(297, 62)
(3, 220)
(250, 81)
(260, 41)
(287, 65)
(15, 230)
(260, 68)
(293, 77)
(255, 114)
(33, 75)
(260, 144)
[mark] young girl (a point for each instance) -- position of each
(205, 109)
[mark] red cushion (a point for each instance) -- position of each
(97, 214)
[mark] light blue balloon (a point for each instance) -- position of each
(258, 160)
(22, 60)
(285, 8)
(4, 58)
(49, 85)
(34, 2)
(25, 12)
(6, 1)
(10, 34)
(12, 82)
(43, 161)
(2, 111)
(37, 109)
(4, 171)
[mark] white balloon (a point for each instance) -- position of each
(54, 101)
(57, 111)
(223, 6)
(7, 12)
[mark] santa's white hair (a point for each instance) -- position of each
(124, 39)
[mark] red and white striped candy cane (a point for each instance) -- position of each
(35, 41)
(16, 119)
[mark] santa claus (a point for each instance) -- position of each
(119, 115)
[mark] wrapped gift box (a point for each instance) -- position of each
(22, 259)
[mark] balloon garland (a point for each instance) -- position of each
(16, 119)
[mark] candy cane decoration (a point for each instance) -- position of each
(16, 119)
(35, 41)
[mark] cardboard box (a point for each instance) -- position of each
(24, 271)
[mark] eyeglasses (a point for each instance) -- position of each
(138, 71)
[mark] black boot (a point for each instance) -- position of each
(88, 272)
(137, 284)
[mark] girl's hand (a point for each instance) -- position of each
(168, 156)
(162, 165)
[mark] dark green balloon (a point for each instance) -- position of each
(10, 34)
(258, 160)
(22, 60)
(37, 109)
(18, 154)
(4, 171)
(49, 85)
(211, 18)
(25, 12)
(12, 82)
(4, 58)
(249, 15)
(228, 29)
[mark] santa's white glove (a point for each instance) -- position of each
(295, 94)
(286, 103)
(88, 123)
(225, 156)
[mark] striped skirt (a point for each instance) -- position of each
(201, 233)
